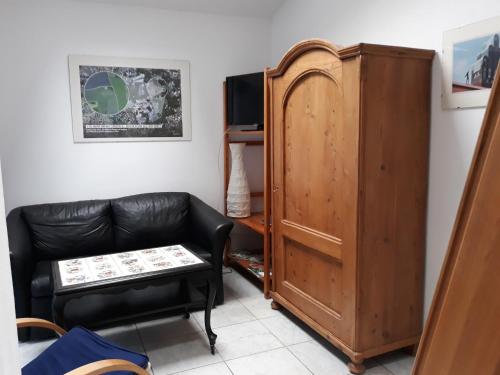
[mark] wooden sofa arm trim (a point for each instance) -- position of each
(40, 323)
(108, 365)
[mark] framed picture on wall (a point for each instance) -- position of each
(471, 54)
(121, 99)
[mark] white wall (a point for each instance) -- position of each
(9, 355)
(41, 162)
(416, 23)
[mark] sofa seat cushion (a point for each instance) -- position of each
(150, 220)
(41, 282)
(68, 230)
(200, 251)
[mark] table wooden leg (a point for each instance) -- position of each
(208, 310)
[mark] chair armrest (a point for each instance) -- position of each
(94, 368)
(208, 228)
(40, 323)
(22, 261)
(108, 365)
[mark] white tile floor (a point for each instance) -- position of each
(252, 339)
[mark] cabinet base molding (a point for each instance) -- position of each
(357, 358)
(356, 368)
(275, 305)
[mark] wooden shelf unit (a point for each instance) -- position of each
(249, 143)
(254, 222)
(258, 221)
(244, 265)
(246, 132)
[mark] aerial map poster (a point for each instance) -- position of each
(471, 56)
(116, 99)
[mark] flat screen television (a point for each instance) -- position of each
(245, 99)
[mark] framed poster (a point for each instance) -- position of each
(471, 54)
(121, 99)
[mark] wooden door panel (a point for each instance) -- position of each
(311, 171)
(328, 245)
(309, 178)
(302, 264)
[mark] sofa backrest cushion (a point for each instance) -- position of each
(68, 230)
(150, 220)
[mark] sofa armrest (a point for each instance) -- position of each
(22, 261)
(209, 229)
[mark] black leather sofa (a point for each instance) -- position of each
(42, 233)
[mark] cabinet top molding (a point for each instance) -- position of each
(347, 52)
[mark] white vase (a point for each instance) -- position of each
(238, 192)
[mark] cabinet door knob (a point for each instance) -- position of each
(275, 188)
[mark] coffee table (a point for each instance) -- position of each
(118, 272)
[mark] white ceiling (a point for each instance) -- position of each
(248, 8)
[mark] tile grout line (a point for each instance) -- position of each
(255, 318)
(381, 364)
(297, 326)
(143, 346)
(280, 341)
(229, 325)
(197, 367)
(247, 309)
(137, 330)
(229, 368)
(388, 369)
(245, 322)
(298, 359)
(275, 336)
(311, 339)
(257, 353)
(284, 346)
(202, 331)
(249, 355)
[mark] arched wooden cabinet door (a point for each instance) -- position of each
(313, 177)
(348, 163)
(462, 335)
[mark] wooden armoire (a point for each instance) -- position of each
(348, 166)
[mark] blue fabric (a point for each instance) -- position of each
(77, 348)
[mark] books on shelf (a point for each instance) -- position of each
(251, 259)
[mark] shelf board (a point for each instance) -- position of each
(255, 222)
(245, 265)
(246, 132)
(249, 143)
